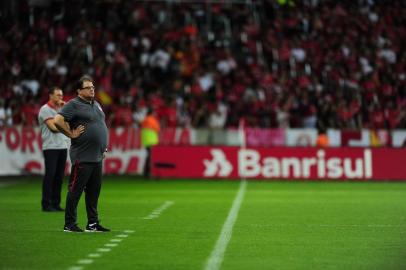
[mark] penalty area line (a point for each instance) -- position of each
(217, 255)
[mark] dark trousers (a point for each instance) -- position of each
(147, 167)
(55, 160)
(84, 177)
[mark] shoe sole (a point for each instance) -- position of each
(71, 231)
(94, 231)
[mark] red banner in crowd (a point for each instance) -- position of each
(279, 163)
(264, 137)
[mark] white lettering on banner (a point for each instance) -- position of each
(321, 164)
(307, 164)
(293, 163)
(250, 164)
(218, 165)
(368, 163)
(271, 167)
(334, 168)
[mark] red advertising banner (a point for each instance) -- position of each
(21, 154)
(279, 163)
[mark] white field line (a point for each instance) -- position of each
(85, 261)
(75, 268)
(80, 264)
(217, 255)
(7, 184)
(116, 240)
(110, 245)
(333, 225)
(104, 249)
(158, 211)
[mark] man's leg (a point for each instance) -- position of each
(147, 166)
(92, 193)
(50, 161)
(58, 179)
(79, 176)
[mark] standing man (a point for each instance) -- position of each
(88, 145)
(150, 129)
(54, 148)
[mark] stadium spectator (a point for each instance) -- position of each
(350, 53)
(322, 139)
(29, 113)
(6, 113)
(122, 115)
(217, 118)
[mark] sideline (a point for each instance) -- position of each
(158, 211)
(217, 255)
(114, 242)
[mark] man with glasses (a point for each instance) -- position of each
(88, 146)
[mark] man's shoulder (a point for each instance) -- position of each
(69, 108)
(71, 103)
(45, 108)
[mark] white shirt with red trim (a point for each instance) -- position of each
(50, 140)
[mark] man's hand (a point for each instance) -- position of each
(65, 128)
(77, 131)
(61, 103)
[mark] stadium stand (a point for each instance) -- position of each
(311, 63)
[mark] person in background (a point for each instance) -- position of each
(54, 147)
(6, 114)
(322, 139)
(150, 129)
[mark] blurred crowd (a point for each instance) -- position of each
(275, 63)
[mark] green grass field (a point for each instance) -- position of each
(176, 225)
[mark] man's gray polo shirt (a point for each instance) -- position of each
(50, 140)
(92, 143)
